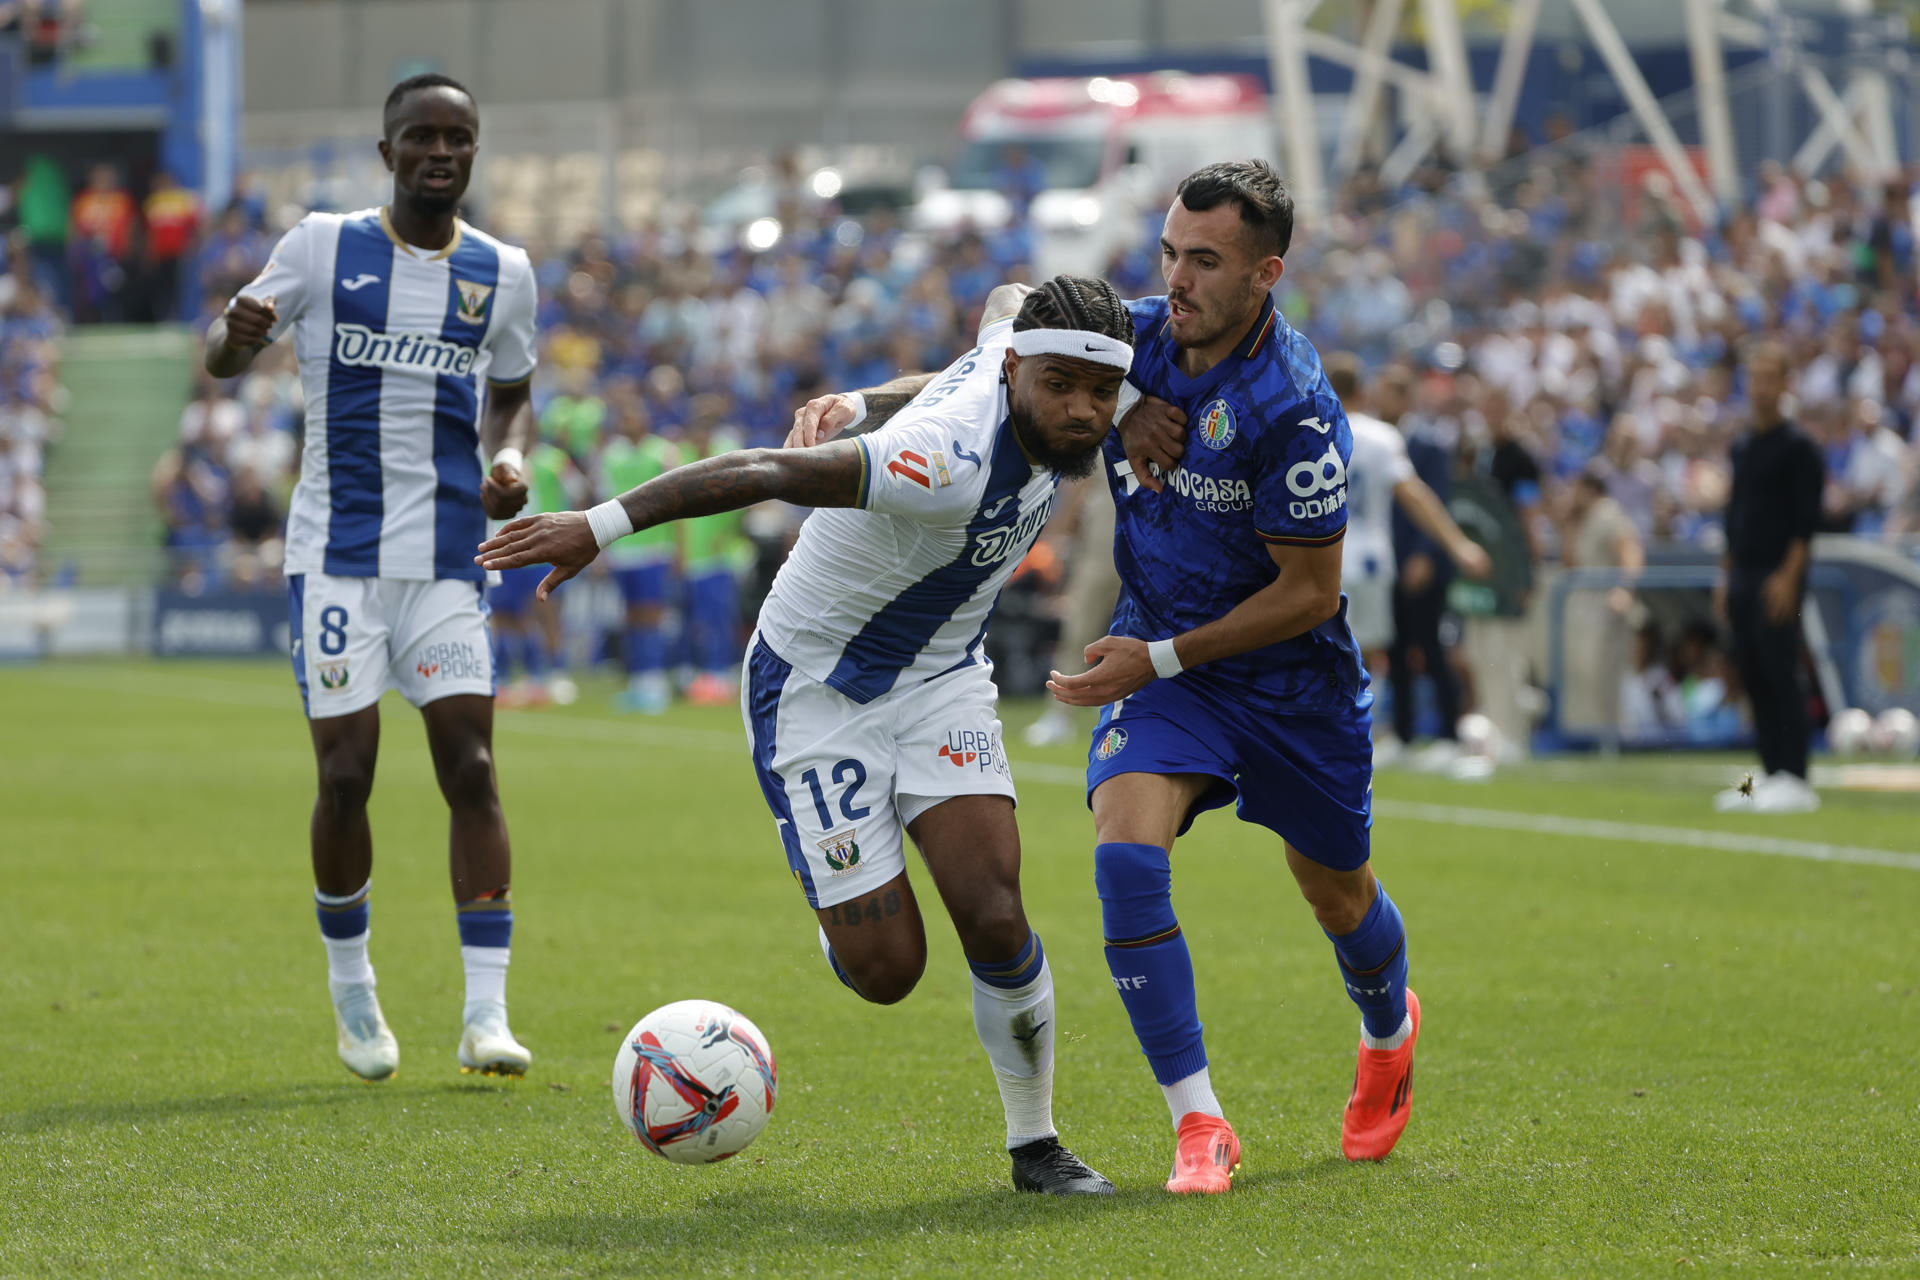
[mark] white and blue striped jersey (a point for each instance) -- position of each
(899, 590)
(393, 344)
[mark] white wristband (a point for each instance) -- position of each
(511, 457)
(859, 410)
(609, 522)
(1166, 663)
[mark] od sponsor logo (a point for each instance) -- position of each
(973, 748)
(455, 661)
(1210, 493)
(361, 347)
(842, 851)
(1319, 486)
(1111, 744)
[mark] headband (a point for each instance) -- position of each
(1076, 344)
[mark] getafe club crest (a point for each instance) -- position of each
(842, 851)
(1111, 744)
(1216, 426)
(473, 301)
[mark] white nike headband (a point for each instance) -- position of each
(1075, 344)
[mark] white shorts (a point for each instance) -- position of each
(1369, 605)
(355, 638)
(845, 779)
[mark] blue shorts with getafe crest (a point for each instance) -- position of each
(1307, 777)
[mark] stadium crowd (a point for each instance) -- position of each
(1565, 320)
(31, 398)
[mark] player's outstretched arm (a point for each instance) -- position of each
(1306, 594)
(1424, 508)
(852, 413)
(830, 475)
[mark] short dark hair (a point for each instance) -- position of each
(1076, 302)
(1265, 206)
(1343, 373)
(413, 84)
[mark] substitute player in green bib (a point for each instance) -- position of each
(526, 630)
(713, 555)
(642, 563)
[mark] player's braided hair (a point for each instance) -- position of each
(1076, 302)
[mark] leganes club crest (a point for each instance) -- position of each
(842, 852)
(473, 300)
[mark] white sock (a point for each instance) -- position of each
(1016, 1029)
(347, 963)
(1393, 1041)
(1190, 1094)
(486, 978)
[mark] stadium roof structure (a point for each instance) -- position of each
(1859, 120)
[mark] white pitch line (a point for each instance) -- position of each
(1644, 833)
(242, 693)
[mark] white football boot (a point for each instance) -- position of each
(1783, 792)
(367, 1045)
(487, 1047)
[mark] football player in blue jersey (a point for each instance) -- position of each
(399, 315)
(1231, 673)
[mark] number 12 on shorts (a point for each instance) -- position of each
(842, 772)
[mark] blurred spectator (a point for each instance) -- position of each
(172, 221)
(1599, 535)
(30, 402)
(44, 210)
(102, 236)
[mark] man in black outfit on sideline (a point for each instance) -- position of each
(1771, 514)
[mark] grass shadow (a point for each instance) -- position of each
(83, 1115)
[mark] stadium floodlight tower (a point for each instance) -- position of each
(1860, 121)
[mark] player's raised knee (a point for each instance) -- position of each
(887, 977)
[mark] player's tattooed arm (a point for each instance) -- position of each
(830, 475)
(1306, 594)
(824, 417)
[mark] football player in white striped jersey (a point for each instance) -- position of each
(868, 696)
(399, 316)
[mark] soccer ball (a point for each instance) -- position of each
(1850, 732)
(694, 1081)
(1898, 731)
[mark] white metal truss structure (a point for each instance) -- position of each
(1440, 104)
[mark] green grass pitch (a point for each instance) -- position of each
(1637, 1059)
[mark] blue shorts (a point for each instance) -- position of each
(515, 594)
(643, 584)
(1307, 777)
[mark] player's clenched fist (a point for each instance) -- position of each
(503, 492)
(821, 418)
(562, 539)
(1153, 432)
(249, 321)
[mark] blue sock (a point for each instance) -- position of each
(345, 916)
(486, 921)
(534, 653)
(646, 651)
(1373, 963)
(1147, 955)
(1011, 975)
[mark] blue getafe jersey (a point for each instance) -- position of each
(1266, 462)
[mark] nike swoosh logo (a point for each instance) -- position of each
(1091, 347)
(1030, 1035)
(360, 281)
